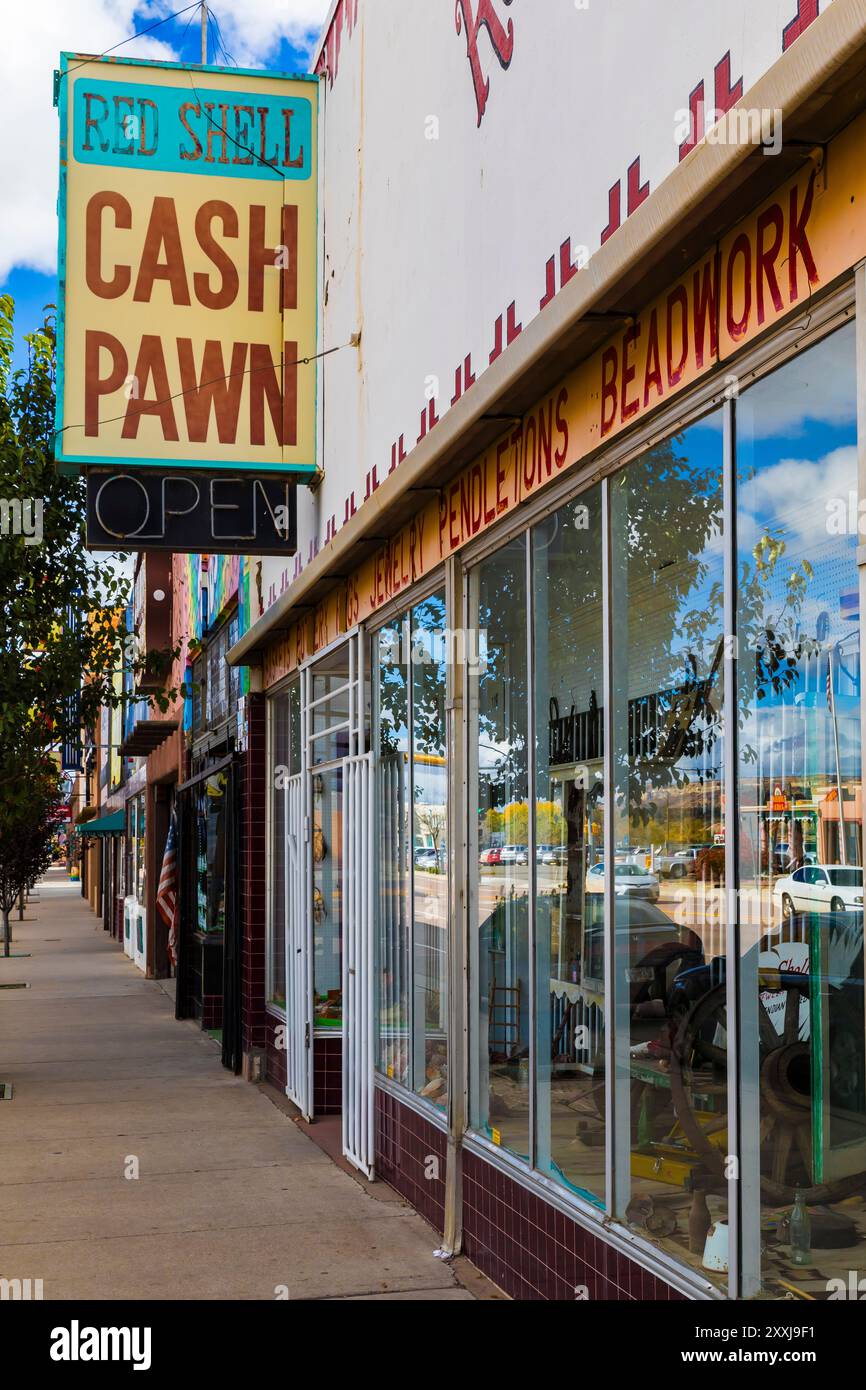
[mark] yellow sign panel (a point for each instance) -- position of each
(188, 266)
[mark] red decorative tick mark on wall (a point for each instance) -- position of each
(807, 13)
(726, 94)
(636, 193)
(500, 34)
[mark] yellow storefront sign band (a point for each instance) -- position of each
(809, 232)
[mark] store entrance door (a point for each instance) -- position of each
(358, 1138)
(332, 885)
(299, 978)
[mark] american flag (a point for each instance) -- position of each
(166, 895)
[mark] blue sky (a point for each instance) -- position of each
(254, 32)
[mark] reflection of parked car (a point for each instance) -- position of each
(820, 888)
(649, 946)
(427, 859)
(490, 856)
(555, 854)
(515, 854)
(630, 881)
(678, 864)
(541, 850)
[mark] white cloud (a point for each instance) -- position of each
(251, 31)
(791, 497)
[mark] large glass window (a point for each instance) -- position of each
(140, 847)
(668, 1006)
(285, 756)
(569, 845)
(551, 899)
(328, 897)
(429, 848)
(210, 830)
(391, 686)
(801, 817)
(409, 679)
(499, 848)
(337, 692)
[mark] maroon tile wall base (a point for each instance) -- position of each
(327, 1076)
(212, 1011)
(275, 1057)
(327, 1067)
(533, 1251)
(410, 1156)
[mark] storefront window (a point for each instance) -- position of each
(129, 850)
(279, 716)
(412, 848)
(284, 712)
(668, 1005)
(569, 845)
(499, 847)
(210, 825)
(430, 848)
(139, 849)
(800, 814)
(391, 684)
(223, 681)
(328, 897)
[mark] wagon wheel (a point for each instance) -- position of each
(785, 1094)
(660, 960)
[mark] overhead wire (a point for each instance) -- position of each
(137, 35)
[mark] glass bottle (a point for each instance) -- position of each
(800, 1231)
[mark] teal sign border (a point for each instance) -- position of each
(71, 463)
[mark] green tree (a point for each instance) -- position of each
(28, 822)
(60, 638)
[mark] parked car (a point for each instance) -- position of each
(515, 854)
(490, 856)
(820, 888)
(631, 881)
(541, 850)
(427, 859)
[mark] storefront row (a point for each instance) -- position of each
(565, 870)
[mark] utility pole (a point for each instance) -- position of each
(204, 34)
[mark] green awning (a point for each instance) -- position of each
(103, 825)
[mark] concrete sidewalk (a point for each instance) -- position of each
(232, 1200)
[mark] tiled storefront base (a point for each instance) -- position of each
(327, 1067)
(533, 1251)
(212, 1011)
(327, 1076)
(275, 1057)
(521, 1242)
(410, 1156)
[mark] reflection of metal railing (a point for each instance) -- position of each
(570, 1020)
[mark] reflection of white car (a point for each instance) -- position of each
(630, 881)
(514, 854)
(820, 888)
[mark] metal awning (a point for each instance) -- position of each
(103, 825)
(146, 736)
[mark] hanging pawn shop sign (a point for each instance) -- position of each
(188, 255)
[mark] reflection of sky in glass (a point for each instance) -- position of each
(796, 457)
